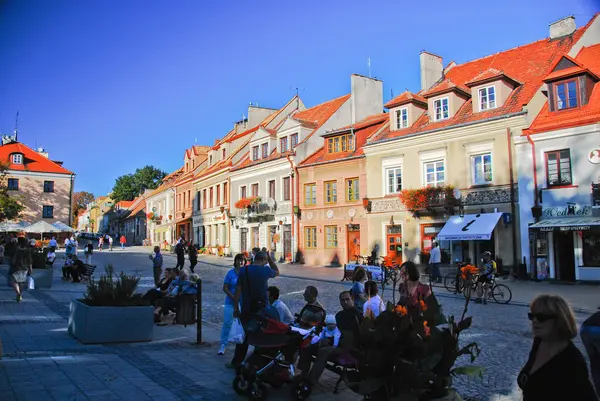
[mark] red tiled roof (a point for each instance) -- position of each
(447, 85)
(491, 74)
(404, 98)
(363, 130)
(32, 160)
(141, 205)
(528, 64)
(548, 120)
(124, 204)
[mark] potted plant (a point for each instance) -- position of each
(111, 311)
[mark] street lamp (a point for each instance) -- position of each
(459, 201)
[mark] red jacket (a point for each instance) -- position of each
(122, 240)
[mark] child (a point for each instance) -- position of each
(89, 249)
(330, 332)
(50, 257)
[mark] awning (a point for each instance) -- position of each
(569, 224)
(469, 227)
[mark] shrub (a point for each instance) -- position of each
(114, 291)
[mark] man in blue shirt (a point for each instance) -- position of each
(252, 284)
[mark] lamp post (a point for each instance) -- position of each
(459, 202)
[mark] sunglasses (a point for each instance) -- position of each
(540, 317)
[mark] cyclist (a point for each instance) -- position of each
(486, 276)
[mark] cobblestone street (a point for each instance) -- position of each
(41, 361)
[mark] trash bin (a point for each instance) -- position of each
(185, 313)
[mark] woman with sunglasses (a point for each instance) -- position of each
(556, 369)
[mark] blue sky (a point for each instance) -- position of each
(108, 86)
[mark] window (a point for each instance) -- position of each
(204, 198)
(243, 193)
(210, 159)
(189, 198)
(591, 248)
(441, 109)
(224, 154)
(17, 158)
(330, 191)
(558, 168)
(13, 184)
(225, 197)
(48, 212)
(197, 200)
(286, 188)
(255, 153)
(310, 237)
(394, 180)
(218, 195)
(265, 150)
(434, 173)
(487, 98)
(342, 143)
(187, 166)
(310, 194)
(211, 197)
(402, 118)
(566, 95)
(294, 141)
(331, 236)
(352, 194)
(254, 190)
(283, 142)
(481, 167)
(272, 189)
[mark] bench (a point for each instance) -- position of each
(87, 274)
(340, 365)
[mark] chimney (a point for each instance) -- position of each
(42, 152)
(432, 69)
(562, 27)
(366, 97)
(257, 114)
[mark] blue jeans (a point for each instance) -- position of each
(227, 322)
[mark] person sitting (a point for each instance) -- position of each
(330, 335)
(411, 290)
(50, 258)
(374, 304)
(313, 313)
(179, 286)
(154, 294)
(73, 269)
(285, 316)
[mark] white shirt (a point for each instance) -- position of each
(326, 333)
(375, 304)
(285, 316)
(435, 255)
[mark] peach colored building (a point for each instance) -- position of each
(333, 181)
(44, 186)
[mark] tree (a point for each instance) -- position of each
(129, 186)
(80, 202)
(10, 206)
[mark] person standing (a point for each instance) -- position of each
(192, 255)
(556, 369)
(590, 337)
(358, 287)
(20, 267)
(157, 262)
(53, 244)
(110, 242)
(123, 241)
(486, 276)
(100, 243)
(252, 290)
(180, 253)
(435, 258)
(89, 250)
(229, 287)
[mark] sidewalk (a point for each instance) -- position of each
(582, 297)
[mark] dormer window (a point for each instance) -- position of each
(294, 141)
(224, 154)
(441, 109)
(283, 144)
(265, 150)
(566, 94)
(255, 153)
(17, 158)
(402, 118)
(340, 143)
(487, 98)
(210, 160)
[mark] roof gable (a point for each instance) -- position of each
(405, 98)
(32, 160)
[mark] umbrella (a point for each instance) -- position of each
(63, 227)
(7, 226)
(41, 227)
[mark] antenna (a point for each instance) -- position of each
(392, 92)
(369, 65)
(16, 132)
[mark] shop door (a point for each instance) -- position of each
(255, 238)
(287, 241)
(564, 255)
(353, 242)
(394, 243)
(244, 239)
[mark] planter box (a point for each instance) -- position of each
(42, 277)
(111, 324)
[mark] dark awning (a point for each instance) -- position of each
(570, 224)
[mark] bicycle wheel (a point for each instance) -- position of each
(450, 283)
(501, 294)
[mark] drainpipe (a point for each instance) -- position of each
(292, 199)
(512, 201)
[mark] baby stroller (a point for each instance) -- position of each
(272, 361)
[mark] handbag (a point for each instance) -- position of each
(30, 283)
(236, 334)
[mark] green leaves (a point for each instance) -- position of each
(128, 187)
(470, 349)
(470, 370)
(465, 324)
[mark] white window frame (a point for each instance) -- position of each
(17, 158)
(441, 100)
(386, 164)
(435, 155)
(486, 90)
(401, 122)
(257, 152)
(387, 183)
(472, 160)
(475, 149)
(262, 146)
(435, 183)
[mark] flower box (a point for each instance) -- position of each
(427, 198)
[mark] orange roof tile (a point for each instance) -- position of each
(404, 98)
(141, 205)
(528, 64)
(447, 85)
(491, 74)
(124, 204)
(548, 120)
(32, 160)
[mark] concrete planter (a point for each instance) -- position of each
(110, 324)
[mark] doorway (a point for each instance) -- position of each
(287, 241)
(255, 238)
(393, 242)
(244, 239)
(353, 242)
(564, 255)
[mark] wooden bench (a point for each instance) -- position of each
(89, 270)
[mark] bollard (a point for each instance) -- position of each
(199, 312)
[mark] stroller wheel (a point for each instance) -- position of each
(258, 391)
(301, 388)
(241, 386)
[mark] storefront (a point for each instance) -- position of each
(184, 229)
(566, 248)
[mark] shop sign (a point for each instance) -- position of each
(198, 220)
(571, 209)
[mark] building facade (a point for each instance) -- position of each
(160, 205)
(44, 187)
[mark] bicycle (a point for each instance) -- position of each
(454, 282)
(499, 292)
